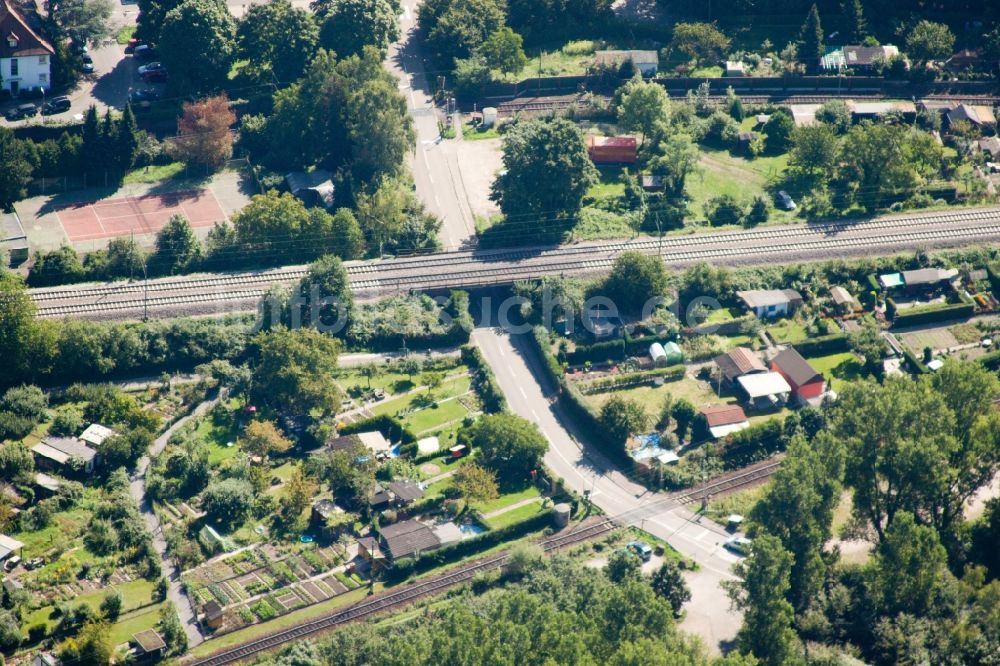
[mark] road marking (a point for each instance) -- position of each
(500, 349)
(406, 12)
(521, 389)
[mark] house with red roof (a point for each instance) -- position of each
(25, 57)
(807, 384)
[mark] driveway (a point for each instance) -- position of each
(709, 614)
(108, 87)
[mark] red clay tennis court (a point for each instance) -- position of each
(141, 215)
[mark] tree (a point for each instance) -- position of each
(836, 114)
(111, 604)
(126, 140)
(295, 371)
(299, 492)
(623, 564)
(204, 137)
(815, 150)
(683, 413)
(476, 483)
(347, 26)
(677, 159)
(867, 342)
(324, 295)
(227, 502)
(277, 40)
(909, 568)
(199, 41)
(433, 380)
(125, 258)
(92, 645)
(644, 107)
(724, 210)
(503, 50)
(262, 438)
(177, 247)
(634, 280)
(547, 173)
(668, 583)
(455, 28)
(370, 371)
(811, 40)
(10, 630)
(798, 509)
(15, 170)
(760, 211)
(507, 444)
(767, 631)
(929, 41)
(85, 20)
(779, 130)
(60, 266)
(380, 131)
(699, 41)
(172, 630)
(346, 239)
(856, 20)
(621, 418)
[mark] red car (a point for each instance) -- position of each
(132, 43)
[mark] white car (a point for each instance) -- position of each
(785, 201)
(739, 545)
(151, 67)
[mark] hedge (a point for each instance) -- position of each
(484, 382)
(457, 334)
(598, 352)
(407, 566)
(752, 445)
(628, 380)
(391, 428)
(932, 314)
(994, 277)
(914, 362)
(543, 343)
(874, 283)
(991, 361)
(825, 344)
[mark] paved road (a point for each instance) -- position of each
(434, 163)
(187, 613)
(583, 468)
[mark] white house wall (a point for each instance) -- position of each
(31, 71)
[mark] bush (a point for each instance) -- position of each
(484, 381)
(826, 344)
(930, 314)
(752, 445)
(391, 428)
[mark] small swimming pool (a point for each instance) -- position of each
(469, 530)
(394, 451)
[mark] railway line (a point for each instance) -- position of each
(241, 291)
(398, 598)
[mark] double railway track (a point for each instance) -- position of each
(233, 292)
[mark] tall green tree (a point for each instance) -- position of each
(126, 140)
(324, 297)
(767, 631)
(177, 247)
(347, 26)
(85, 20)
(909, 568)
(644, 107)
(634, 280)
(701, 42)
(621, 418)
(811, 40)
(798, 509)
(277, 40)
(380, 131)
(456, 28)
(815, 150)
(15, 169)
(547, 173)
(929, 41)
(295, 369)
(507, 444)
(198, 43)
(855, 15)
(503, 50)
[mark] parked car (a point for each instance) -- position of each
(739, 545)
(56, 105)
(141, 99)
(11, 563)
(785, 202)
(151, 67)
(640, 548)
(34, 563)
(22, 111)
(33, 92)
(133, 44)
(78, 47)
(87, 65)
(145, 52)
(155, 76)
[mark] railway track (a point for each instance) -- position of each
(394, 599)
(399, 598)
(241, 291)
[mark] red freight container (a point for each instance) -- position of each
(612, 149)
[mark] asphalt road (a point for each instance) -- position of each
(709, 614)
(434, 163)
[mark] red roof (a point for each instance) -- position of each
(612, 141)
(720, 415)
(14, 27)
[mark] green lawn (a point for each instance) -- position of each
(720, 315)
(65, 526)
(434, 417)
(428, 418)
(123, 630)
(507, 498)
(137, 594)
(388, 381)
(787, 331)
(723, 173)
(697, 392)
(740, 502)
(155, 173)
(840, 369)
(515, 515)
(472, 132)
(216, 432)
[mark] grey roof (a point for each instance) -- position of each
(69, 447)
(325, 508)
(407, 538)
(405, 491)
(212, 609)
(923, 276)
(318, 182)
(762, 298)
(841, 296)
(794, 367)
(637, 57)
(149, 640)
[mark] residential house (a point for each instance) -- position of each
(313, 188)
(395, 494)
(25, 57)
(59, 452)
(737, 362)
(765, 390)
(148, 644)
(807, 384)
(858, 58)
(724, 420)
(977, 115)
(842, 299)
(407, 538)
(645, 62)
(771, 302)
(213, 614)
(924, 278)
